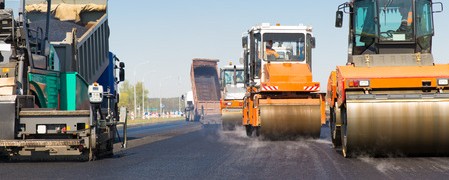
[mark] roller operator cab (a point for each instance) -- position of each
(233, 91)
(282, 100)
(390, 97)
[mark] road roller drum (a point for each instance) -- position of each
(290, 121)
(412, 126)
(231, 118)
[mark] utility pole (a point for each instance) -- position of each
(160, 98)
(160, 105)
(179, 98)
(135, 84)
(143, 98)
(160, 91)
(143, 90)
(135, 101)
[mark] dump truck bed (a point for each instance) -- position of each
(205, 86)
(85, 50)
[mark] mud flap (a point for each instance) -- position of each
(8, 117)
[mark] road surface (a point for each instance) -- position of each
(181, 150)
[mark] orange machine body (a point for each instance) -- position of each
(283, 84)
(231, 104)
(282, 100)
(383, 78)
(390, 97)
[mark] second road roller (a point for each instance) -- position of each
(390, 98)
(281, 100)
(232, 93)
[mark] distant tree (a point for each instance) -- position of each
(126, 95)
(124, 100)
(170, 104)
(126, 91)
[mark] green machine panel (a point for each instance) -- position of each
(46, 88)
(73, 92)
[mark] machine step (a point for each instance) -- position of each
(41, 142)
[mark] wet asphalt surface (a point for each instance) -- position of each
(210, 153)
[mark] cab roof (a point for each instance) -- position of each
(278, 27)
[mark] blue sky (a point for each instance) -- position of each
(158, 39)
(170, 33)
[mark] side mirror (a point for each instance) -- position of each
(122, 75)
(122, 65)
(339, 19)
(439, 9)
(244, 42)
(313, 42)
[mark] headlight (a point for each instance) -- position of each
(364, 83)
(443, 82)
(41, 129)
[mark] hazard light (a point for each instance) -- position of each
(351, 83)
(443, 82)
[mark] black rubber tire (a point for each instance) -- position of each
(335, 131)
(249, 130)
(110, 149)
(344, 134)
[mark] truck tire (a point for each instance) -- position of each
(249, 130)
